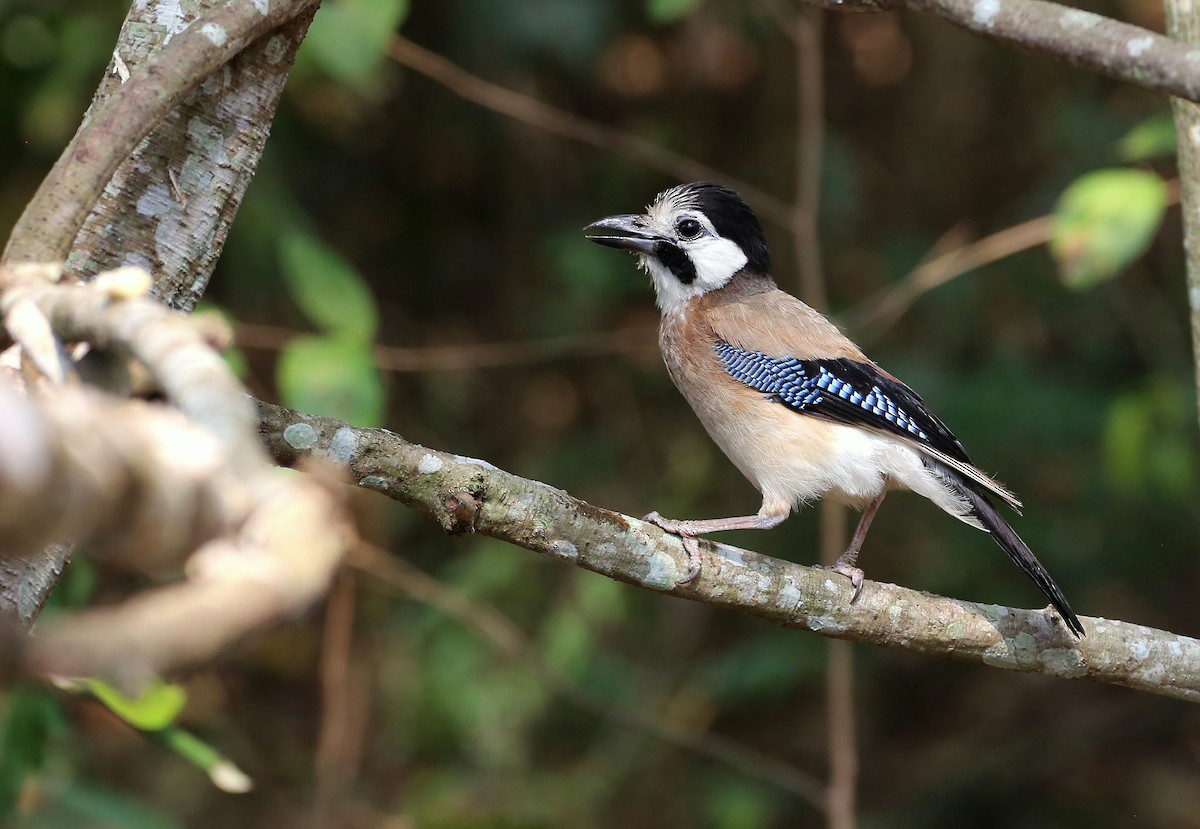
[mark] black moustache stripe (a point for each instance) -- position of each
(677, 261)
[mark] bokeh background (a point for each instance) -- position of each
(477, 685)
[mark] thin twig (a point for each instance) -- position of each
(493, 627)
(804, 26)
(839, 693)
(551, 119)
(402, 359)
(808, 27)
(343, 706)
(879, 312)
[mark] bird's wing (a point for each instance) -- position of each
(854, 393)
(755, 315)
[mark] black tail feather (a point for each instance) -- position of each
(1010, 542)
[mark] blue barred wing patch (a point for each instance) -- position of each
(843, 390)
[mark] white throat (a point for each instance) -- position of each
(716, 261)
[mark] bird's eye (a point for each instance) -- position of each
(688, 228)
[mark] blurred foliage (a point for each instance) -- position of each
(1151, 139)
(1104, 221)
(389, 211)
(350, 43)
(333, 374)
(1150, 443)
(665, 11)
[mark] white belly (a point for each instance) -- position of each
(794, 459)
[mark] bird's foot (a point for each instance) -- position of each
(691, 545)
(855, 574)
(671, 525)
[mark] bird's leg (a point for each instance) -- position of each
(689, 529)
(845, 563)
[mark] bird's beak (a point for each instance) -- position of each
(637, 238)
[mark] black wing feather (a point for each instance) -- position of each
(860, 394)
(843, 390)
(1009, 541)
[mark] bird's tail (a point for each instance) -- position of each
(1009, 541)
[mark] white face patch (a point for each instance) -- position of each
(715, 258)
(716, 261)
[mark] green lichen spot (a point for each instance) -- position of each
(662, 574)
(1063, 662)
(300, 436)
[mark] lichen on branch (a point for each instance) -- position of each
(468, 495)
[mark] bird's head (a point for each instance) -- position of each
(693, 239)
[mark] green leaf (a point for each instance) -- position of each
(1153, 138)
(327, 288)
(333, 377)
(155, 708)
(222, 771)
(1103, 222)
(81, 804)
(667, 11)
(349, 38)
(32, 716)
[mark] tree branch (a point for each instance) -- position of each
(1090, 41)
(559, 122)
(467, 495)
(56, 213)
(175, 196)
(1183, 22)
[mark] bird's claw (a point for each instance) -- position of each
(855, 574)
(691, 545)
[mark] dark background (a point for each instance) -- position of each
(465, 225)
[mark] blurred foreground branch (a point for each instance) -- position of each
(154, 487)
(154, 176)
(467, 495)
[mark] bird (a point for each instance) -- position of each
(797, 407)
